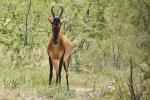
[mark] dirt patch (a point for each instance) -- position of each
(83, 93)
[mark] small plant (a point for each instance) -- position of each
(57, 91)
(14, 82)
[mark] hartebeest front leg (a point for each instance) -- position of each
(58, 77)
(51, 70)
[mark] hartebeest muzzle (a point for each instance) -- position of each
(56, 24)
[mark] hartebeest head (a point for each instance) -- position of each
(56, 22)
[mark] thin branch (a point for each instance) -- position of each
(103, 9)
(87, 11)
(118, 57)
(131, 88)
(114, 54)
(26, 22)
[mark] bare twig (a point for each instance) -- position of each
(104, 55)
(103, 9)
(26, 23)
(114, 54)
(87, 12)
(131, 88)
(118, 57)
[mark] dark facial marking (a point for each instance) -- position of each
(55, 41)
(56, 27)
(56, 22)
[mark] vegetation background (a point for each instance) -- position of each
(111, 56)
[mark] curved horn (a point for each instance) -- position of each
(52, 10)
(61, 11)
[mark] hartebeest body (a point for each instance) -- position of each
(59, 48)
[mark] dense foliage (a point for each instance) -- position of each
(106, 35)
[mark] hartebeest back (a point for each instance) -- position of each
(59, 48)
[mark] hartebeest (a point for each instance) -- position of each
(59, 48)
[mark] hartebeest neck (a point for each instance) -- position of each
(56, 33)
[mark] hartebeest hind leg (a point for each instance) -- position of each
(51, 70)
(66, 70)
(66, 65)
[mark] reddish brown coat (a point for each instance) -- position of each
(56, 51)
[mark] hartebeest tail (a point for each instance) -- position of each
(59, 48)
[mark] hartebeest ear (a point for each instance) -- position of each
(63, 20)
(50, 20)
